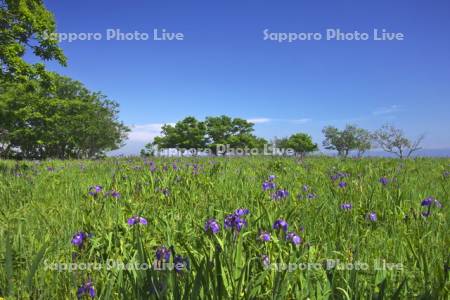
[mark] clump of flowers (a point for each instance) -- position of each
(241, 211)
(212, 226)
(280, 224)
(95, 190)
(163, 254)
(294, 238)
(430, 202)
(235, 220)
(137, 220)
(87, 289)
(269, 184)
(280, 194)
(346, 206)
(339, 175)
(306, 193)
(80, 238)
(113, 194)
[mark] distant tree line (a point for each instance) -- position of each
(352, 138)
(214, 132)
(191, 133)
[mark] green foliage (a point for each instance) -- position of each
(65, 122)
(186, 134)
(26, 24)
(41, 210)
(190, 133)
(301, 143)
(343, 141)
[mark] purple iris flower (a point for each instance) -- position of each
(372, 216)
(265, 236)
(50, 169)
(86, 289)
(430, 201)
(384, 181)
(271, 177)
(211, 226)
(305, 188)
(338, 175)
(241, 211)
(265, 260)
(267, 185)
(280, 194)
(180, 263)
(342, 184)
(280, 224)
(137, 220)
(293, 238)
(79, 238)
(346, 206)
(94, 190)
(307, 196)
(114, 194)
(162, 253)
(311, 196)
(233, 221)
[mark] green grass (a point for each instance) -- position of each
(40, 211)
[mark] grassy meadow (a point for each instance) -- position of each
(170, 228)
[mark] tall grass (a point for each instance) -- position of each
(42, 205)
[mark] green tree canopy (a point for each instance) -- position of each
(26, 24)
(190, 133)
(343, 141)
(301, 143)
(67, 122)
(237, 133)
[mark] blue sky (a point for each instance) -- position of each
(224, 65)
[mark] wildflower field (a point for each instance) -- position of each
(225, 228)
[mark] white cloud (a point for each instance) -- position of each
(259, 120)
(144, 132)
(301, 121)
(387, 110)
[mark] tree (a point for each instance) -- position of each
(237, 133)
(68, 121)
(301, 143)
(393, 140)
(364, 141)
(351, 138)
(26, 24)
(280, 143)
(188, 133)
